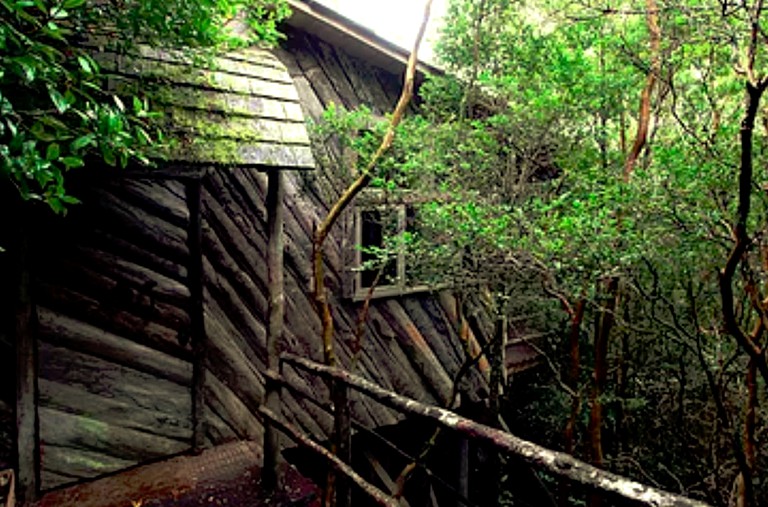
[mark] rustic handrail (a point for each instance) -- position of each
(558, 463)
(295, 434)
(361, 428)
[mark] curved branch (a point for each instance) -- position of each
(321, 234)
(753, 95)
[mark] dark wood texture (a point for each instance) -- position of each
(26, 373)
(275, 318)
(153, 296)
(409, 343)
(196, 308)
(115, 362)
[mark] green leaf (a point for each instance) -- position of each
(72, 162)
(58, 100)
(68, 199)
(53, 152)
(119, 103)
(28, 66)
(82, 141)
(73, 4)
(85, 64)
(109, 155)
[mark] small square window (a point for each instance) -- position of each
(379, 258)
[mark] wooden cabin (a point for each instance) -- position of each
(135, 325)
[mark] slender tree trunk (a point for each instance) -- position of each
(622, 378)
(497, 366)
(572, 380)
(744, 496)
(754, 92)
(573, 376)
(320, 295)
(644, 114)
(605, 321)
(321, 303)
(750, 421)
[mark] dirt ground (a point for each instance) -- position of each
(224, 476)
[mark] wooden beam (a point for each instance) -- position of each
(26, 376)
(384, 476)
(197, 319)
(275, 318)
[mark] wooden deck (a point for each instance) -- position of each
(225, 475)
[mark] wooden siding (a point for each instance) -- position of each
(117, 282)
(113, 331)
(410, 344)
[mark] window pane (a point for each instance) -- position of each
(376, 226)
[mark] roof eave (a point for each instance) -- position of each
(327, 24)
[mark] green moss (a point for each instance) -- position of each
(219, 119)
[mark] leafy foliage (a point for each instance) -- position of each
(518, 160)
(55, 109)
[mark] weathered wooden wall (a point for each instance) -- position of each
(151, 299)
(124, 371)
(410, 343)
(112, 302)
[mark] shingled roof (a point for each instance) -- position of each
(238, 109)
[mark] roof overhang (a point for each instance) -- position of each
(312, 17)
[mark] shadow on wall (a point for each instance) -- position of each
(7, 355)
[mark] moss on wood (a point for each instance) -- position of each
(238, 109)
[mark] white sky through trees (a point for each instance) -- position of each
(395, 20)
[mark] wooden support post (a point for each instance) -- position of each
(26, 377)
(274, 322)
(343, 432)
(463, 485)
(197, 319)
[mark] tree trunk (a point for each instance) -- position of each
(754, 92)
(572, 381)
(743, 492)
(644, 115)
(605, 321)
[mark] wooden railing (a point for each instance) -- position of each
(556, 463)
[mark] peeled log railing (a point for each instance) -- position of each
(554, 462)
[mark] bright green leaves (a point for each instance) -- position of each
(52, 112)
(200, 24)
(55, 112)
(59, 100)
